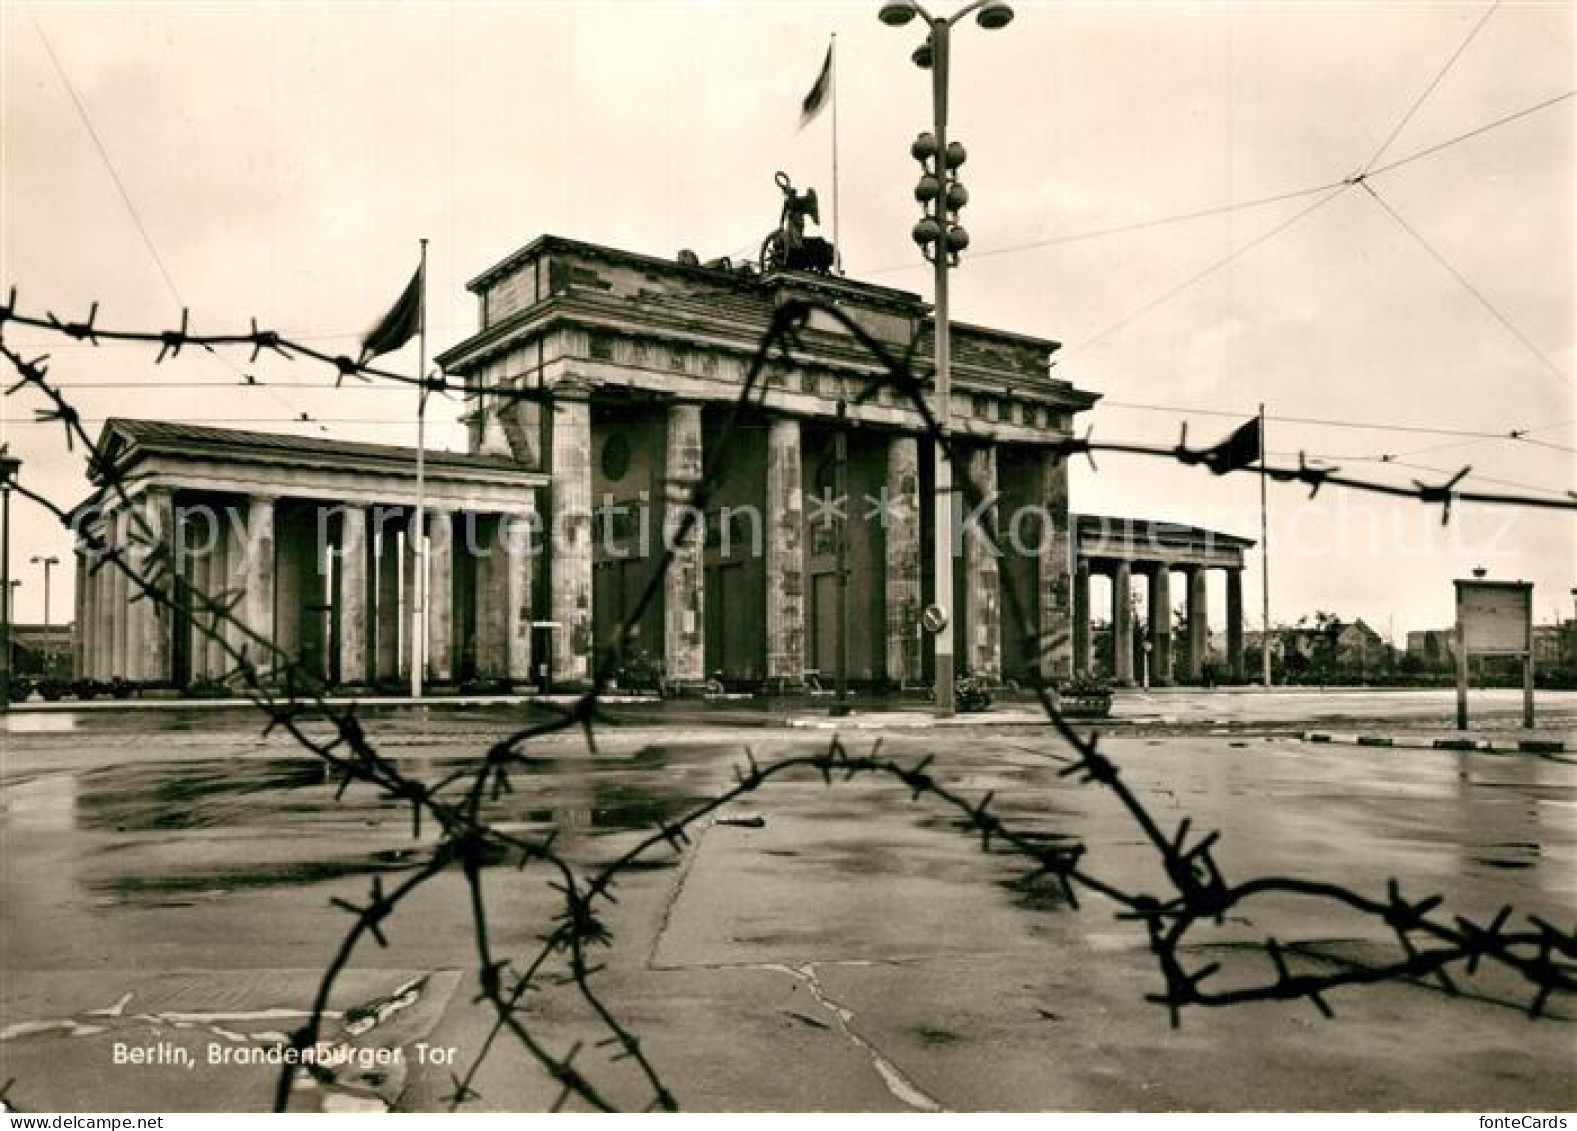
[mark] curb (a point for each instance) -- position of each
(878, 721)
(241, 703)
(1408, 742)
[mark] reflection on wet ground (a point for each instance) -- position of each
(1428, 709)
(168, 833)
(191, 830)
(208, 857)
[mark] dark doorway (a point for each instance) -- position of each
(824, 625)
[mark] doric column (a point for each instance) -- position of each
(81, 611)
(1235, 624)
(1122, 623)
(569, 556)
(111, 608)
(158, 561)
(785, 554)
(1161, 625)
(115, 607)
(1082, 660)
(354, 557)
(108, 614)
(410, 570)
(684, 651)
(200, 563)
(387, 613)
(1054, 644)
(238, 550)
(1198, 623)
(218, 581)
(983, 581)
(93, 635)
(516, 560)
(257, 608)
(903, 554)
(440, 596)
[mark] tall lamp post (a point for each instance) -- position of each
(48, 563)
(941, 195)
(9, 465)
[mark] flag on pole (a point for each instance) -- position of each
(399, 325)
(817, 98)
(1241, 449)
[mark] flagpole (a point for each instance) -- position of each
(418, 531)
(1264, 551)
(837, 244)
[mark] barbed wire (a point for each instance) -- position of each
(1311, 474)
(1196, 892)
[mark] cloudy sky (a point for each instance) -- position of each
(281, 161)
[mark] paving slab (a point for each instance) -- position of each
(138, 1040)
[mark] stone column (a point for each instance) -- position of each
(1161, 625)
(138, 614)
(440, 596)
(201, 565)
(158, 562)
(1235, 624)
(354, 556)
(516, 561)
(1054, 645)
(129, 608)
(983, 580)
(111, 607)
(257, 608)
(903, 560)
(81, 612)
(684, 641)
(1198, 623)
(489, 644)
(1122, 623)
(93, 624)
(387, 551)
(410, 568)
(569, 554)
(1083, 663)
(785, 553)
(238, 549)
(218, 581)
(120, 598)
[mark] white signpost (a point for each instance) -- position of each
(1494, 618)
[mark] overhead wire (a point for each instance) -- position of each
(1559, 492)
(1428, 90)
(1360, 179)
(1523, 435)
(1238, 205)
(1467, 285)
(1124, 229)
(1431, 150)
(1198, 276)
(125, 195)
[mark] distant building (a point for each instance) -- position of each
(1550, 646)
(39, 651)
(1332, 647)
(1433, 648)
(1359, 646)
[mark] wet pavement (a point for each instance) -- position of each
(166, 884)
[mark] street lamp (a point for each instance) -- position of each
(9, 466)
(48, 563)
(941, 239)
